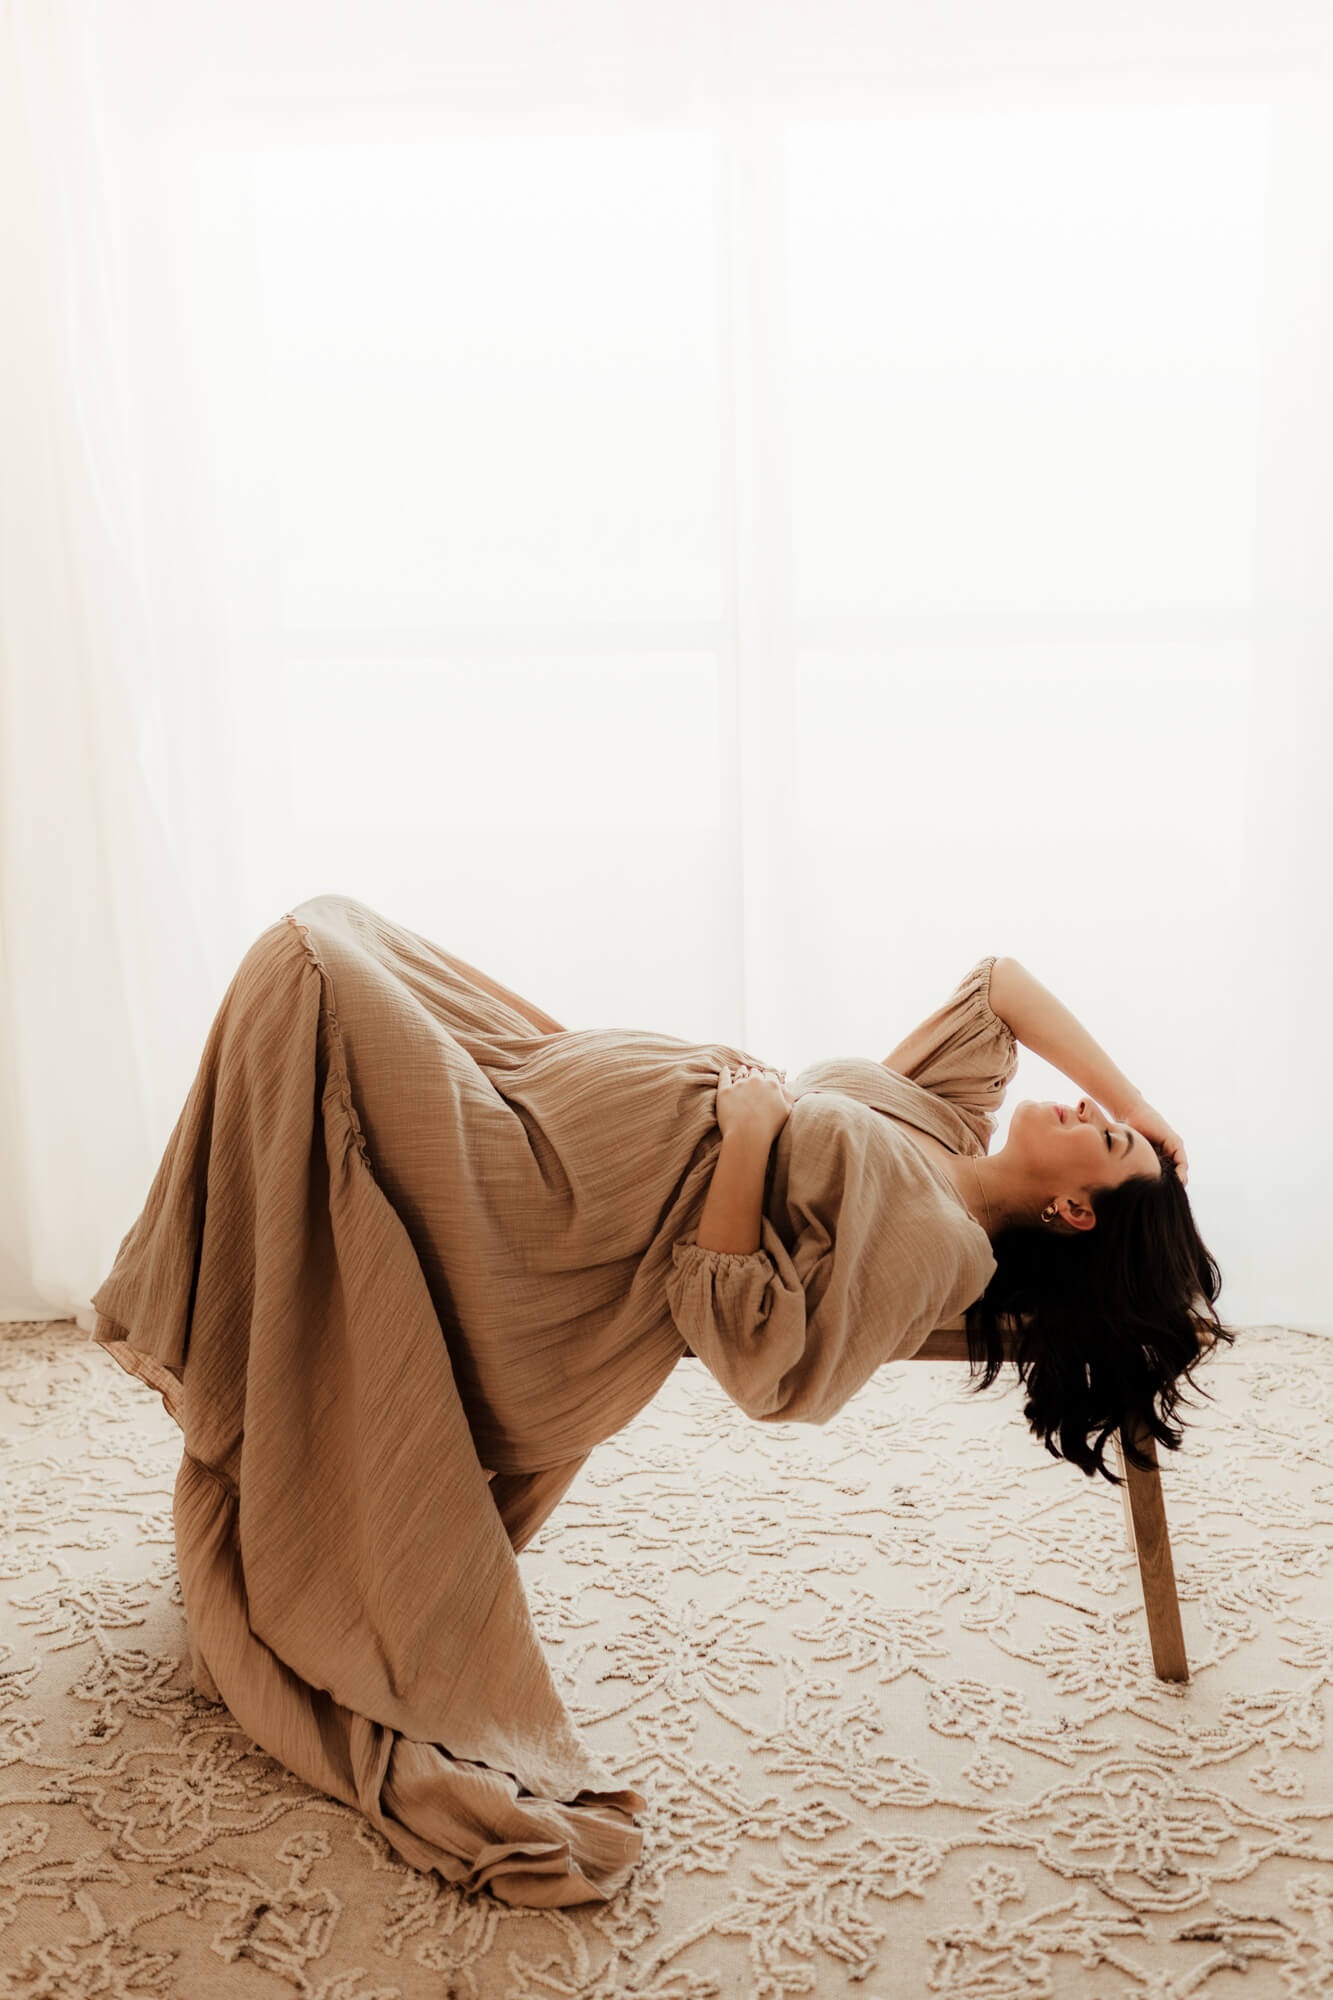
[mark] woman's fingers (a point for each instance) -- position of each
(1146, 1118)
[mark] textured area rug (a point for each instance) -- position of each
(885, 1685)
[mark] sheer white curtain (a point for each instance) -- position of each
(721, 515)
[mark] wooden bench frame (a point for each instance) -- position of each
(1145, 1528)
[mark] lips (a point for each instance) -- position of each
(1060, 1113)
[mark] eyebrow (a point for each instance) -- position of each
(1129, 1141)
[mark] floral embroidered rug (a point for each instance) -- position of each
(885, 1685)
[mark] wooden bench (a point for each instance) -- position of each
(1145, 1526)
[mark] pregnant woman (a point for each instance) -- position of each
(414, 1249)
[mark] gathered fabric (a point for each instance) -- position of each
(412, 1251)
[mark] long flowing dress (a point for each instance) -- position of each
(410, 1254)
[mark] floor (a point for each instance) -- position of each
(884, 1684)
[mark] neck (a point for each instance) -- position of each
(983, 1189)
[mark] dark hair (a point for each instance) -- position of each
(1103, 1323)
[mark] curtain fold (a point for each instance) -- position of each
(107, 993)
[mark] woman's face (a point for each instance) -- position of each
(1077, 1146)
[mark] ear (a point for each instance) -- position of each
(1075, 1216)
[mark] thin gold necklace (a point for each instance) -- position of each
(977, 1171)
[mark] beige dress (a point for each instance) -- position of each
(410, 1253)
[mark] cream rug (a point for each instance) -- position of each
(885, 1685)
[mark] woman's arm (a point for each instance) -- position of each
(734, 1207)
(1043, 1024)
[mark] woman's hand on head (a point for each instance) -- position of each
(756, 1101)
(1146, 1119)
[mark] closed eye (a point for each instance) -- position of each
(1109, 1146)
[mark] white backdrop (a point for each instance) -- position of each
(721, 514)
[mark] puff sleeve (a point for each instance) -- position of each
(744, 1317)
(858, 1273)
(963, 1052)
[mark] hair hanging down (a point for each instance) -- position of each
(1105, 1322)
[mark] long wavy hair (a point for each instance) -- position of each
(1105, 1324)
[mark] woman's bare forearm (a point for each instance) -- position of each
(1045, 1025)
(734, 1207)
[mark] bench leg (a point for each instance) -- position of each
(1130, 1543)
(1156, 1570)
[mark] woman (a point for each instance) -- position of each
(412, 1251)
(1095, 1263)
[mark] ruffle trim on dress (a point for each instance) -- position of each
(713, 1259)
(335, 1030)
(111, 1335)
